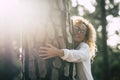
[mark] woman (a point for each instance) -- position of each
(84, 37)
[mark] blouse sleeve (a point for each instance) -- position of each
(76, 55)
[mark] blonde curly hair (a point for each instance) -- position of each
(90, 34)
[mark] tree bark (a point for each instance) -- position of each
(45, 22)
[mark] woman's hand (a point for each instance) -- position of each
(50, 51)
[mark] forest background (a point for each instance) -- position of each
(105, 16)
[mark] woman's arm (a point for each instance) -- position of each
(50, 51)
(76, 55)
(69, 55)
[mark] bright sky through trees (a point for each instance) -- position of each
(113, 22)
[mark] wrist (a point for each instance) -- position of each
(61, 53)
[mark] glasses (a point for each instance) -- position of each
(77, 29)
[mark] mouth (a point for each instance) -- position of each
(77, 36)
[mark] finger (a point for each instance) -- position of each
(43, 48)
(42, 51)
(49, 56)
(43, 55)
(49, 45)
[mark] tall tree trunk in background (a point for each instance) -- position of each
(104, 42)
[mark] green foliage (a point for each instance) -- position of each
(114, 65)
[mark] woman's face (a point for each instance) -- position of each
(79, 33)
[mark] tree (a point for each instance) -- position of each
(104, 41)
(30, 25)
(47, 21)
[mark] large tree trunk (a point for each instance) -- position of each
(30, 24)
(46, 23)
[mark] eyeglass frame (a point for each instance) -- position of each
(80, 31)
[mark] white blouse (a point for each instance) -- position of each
(81, 57)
